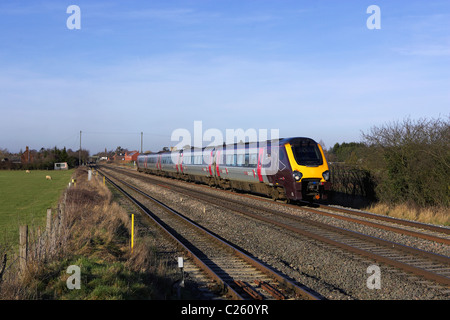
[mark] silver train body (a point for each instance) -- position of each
(277, 169)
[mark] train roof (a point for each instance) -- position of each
(291, 140)
(296, 140)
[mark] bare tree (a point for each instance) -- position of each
(414, 160)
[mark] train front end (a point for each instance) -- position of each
(310, 172)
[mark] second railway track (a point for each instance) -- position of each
(424, 264)
(429, 232)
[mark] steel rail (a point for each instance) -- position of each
(382, 226)
(406, 267)
(229, 290)
(415, 224)
(367, 215)
(271, 273)
(424, 273)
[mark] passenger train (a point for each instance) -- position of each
(286, 169)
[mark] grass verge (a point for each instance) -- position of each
(97, 240)
(433, 215)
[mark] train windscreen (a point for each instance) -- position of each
(307, 153)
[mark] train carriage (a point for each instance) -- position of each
(285, 169)
(194, 165)
(239, 166)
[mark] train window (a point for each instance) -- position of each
(307, 153)
(206, 158)
(247, 160)
(198, 159)
(240, 160)
(267, 160)
(229, 159)
(253, 160)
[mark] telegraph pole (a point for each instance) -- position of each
(79, 152)
(142, 139)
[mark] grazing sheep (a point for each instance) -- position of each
(28, 171)
(48, 177)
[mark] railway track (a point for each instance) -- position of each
(438, 234)
(236, 274)
(423, 226)
(427, 265)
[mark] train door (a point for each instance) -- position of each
(216, 163)
(259, 165)
(158, 163)
(177, 163)
(208, 161)
(181, 162)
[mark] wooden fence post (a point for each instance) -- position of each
(55, 232)
(48, 232)
(62, 209)
(23, 247)
(2, 269)
(48, 229)
(39, 245)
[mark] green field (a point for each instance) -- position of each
(25, 197)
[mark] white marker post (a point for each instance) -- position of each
(181, 266)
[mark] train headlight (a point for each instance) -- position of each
(297, 175)
(326, 175)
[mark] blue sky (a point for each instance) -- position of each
(307, 68)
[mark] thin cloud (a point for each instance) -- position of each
(425, 51)
(173, 15)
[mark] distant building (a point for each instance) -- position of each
(131, 156)
(27, 156)
(61, 166)
(128, 156)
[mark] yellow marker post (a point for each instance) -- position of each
(132, 232)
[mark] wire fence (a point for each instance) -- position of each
(352, 180)
(36, 245)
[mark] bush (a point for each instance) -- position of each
(412, 161)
